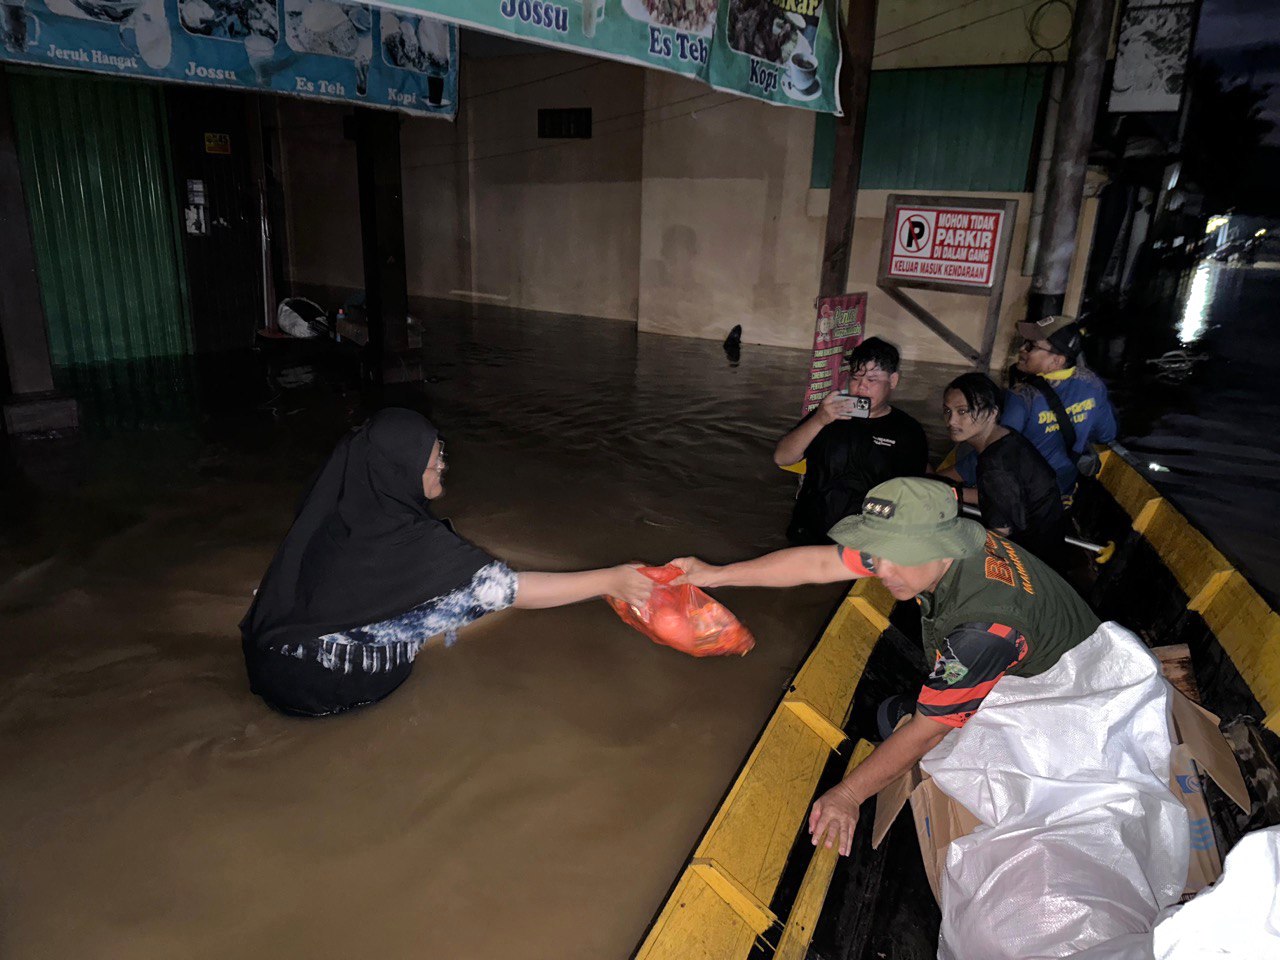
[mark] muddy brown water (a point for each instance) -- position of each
(530, 792)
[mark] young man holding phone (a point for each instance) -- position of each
(850, 443)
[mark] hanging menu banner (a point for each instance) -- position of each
(784, 51)
(840, 327)
(350, 52)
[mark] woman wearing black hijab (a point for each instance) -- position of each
(366, 575)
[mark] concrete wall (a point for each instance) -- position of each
(725, 238)
(952, 33)
(492, 213)
(555, 224)
(437, 220)
(673, 299)
(322, 202)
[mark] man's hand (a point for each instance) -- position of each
(833, 819)
(835, 814)
(629, 585)
(696, 572)
(835, 406)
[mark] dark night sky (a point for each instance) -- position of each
(1243, 37)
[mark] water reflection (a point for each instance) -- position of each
(1202, 416)
(1195, 309)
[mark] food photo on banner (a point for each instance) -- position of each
(320, 49)
(783, 51)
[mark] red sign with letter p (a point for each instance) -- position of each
(946, 245)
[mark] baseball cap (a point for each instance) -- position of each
(909, 521)
(1062, 332)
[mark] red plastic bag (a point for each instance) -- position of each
(685, 618)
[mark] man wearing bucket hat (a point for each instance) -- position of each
(1051, 386)
(987, 609)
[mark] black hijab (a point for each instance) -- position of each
(364, 545)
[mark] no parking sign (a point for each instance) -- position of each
(948, 244)
(951, 244)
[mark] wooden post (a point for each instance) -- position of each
(858, 37)
(382, 236)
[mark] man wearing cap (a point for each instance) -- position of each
(1048, 366)
(987, 609)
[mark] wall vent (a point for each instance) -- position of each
(572, 123)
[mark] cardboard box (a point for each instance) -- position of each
(1198, 746)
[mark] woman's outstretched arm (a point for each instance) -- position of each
(538, 590)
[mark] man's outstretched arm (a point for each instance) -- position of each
(782, 568)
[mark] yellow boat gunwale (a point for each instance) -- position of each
(718, 906)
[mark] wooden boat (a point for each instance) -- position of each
(754, 887)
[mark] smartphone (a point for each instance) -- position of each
(857, 406)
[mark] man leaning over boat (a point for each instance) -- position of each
(988, 609)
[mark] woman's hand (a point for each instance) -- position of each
(833, 819)
(629, 584)
(696, 572)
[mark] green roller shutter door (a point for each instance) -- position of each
(952, 128)
(96, 173)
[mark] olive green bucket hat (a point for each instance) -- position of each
(909, 521)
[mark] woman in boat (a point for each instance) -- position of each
(1017, 491)
(367, 574)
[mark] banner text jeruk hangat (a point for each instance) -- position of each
(320, 49)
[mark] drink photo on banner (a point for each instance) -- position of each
(781, 51)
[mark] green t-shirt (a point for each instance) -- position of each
(1007, 585)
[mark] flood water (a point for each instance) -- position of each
(1200, 404)
(530, 792)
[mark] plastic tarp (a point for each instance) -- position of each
(1081, 840)
(1239, 916)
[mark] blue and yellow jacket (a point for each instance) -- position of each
(1084, 396)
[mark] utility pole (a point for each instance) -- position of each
(858, 37)
(1077, 114)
